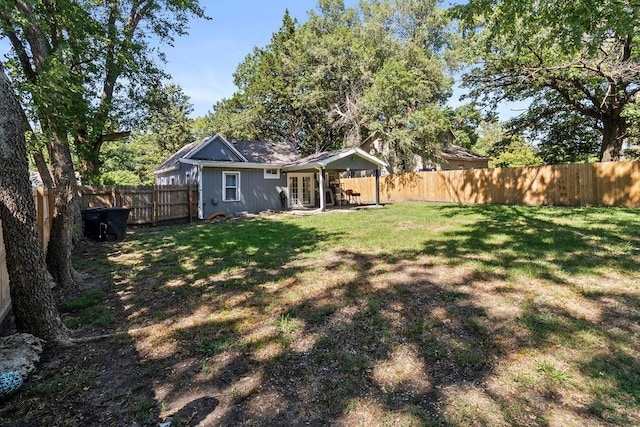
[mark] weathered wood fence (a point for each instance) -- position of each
(593, 184)
(148, 204)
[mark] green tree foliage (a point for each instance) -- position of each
(577, 56)
(505, 149)
(465, 122)
(564, 136)
(84, 67)
(513, 152)
(80, 67)
(342, 75)
(165, 129)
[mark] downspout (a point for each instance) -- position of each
(200, 203)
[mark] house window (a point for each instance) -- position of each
(230, 186)
(172, 181)
(272, 174)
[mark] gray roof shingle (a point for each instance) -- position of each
(266, 152)
(253, 151)
(457, 152)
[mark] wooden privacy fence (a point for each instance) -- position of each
(148, 204)
(43, 207)
(593, 184)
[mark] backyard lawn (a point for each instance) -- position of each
(412, 314)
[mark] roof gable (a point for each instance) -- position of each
(347, 158)
(211, 148)
(217, 149)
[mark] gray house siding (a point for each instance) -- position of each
(352, 163)
(216, 150)
(186, 174)
(257, 194)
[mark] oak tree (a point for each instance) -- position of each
(573, 55)
(33, 304)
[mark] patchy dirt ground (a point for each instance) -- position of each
(221, 327)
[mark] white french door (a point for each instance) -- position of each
(301, 190)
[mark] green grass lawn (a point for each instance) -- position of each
(413, 314)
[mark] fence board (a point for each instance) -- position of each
(148, 204)
(177, 202)
(42, 202)
(593, 184)
(5, 297)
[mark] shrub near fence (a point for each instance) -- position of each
(593, 184)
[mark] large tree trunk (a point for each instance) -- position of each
(33, 304)
(613, 134)
(67, 211)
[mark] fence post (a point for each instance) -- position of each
(154, 205)
(378, 186)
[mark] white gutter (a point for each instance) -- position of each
(303, 166)
(237, 165)
(165, 170)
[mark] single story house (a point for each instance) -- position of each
(452, 157)
(254, 176)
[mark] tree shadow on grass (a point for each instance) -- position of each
(540, 242)
(281, 327)
(408, 342)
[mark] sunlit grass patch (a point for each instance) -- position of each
(413, 314)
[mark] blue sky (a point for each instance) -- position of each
(203, 62)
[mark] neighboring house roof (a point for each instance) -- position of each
(452, 152)
(266, 152)
(456, 152)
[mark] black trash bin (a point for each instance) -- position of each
(105, 223)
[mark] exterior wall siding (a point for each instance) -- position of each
(187, 174)
(256, 193)
(358, 163)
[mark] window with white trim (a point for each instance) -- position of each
(272, 173)
(231, 186)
